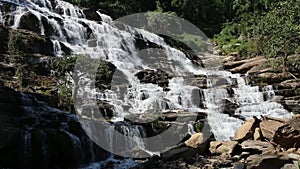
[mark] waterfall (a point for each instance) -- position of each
(104, 40)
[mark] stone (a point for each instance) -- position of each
(199, 142)
(288, 135)
(269, 127)
(256, 147)
(158, 77)
(294, 165)
(181, 151)
(30, 22)
(91, 14)
(230, 147)
(29, 42)
(196, 140)
(267, 161)
(249, 64)
(257, 135)
(246, 131)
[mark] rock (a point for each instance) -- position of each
(289, 84)
(63, 151)
(288, 135)
(178, 152)
(158, 77)
(295, 165)
(91, 14)
(292, 104)
(271, 78)
(256, 147)
(246, 131)
(257, 134)
(9, 143)
(231, 147)
(198, 141)
(269, 127)
(267, 161)
(30, 22)
(244, 66)
(29, 42)
(3, 39)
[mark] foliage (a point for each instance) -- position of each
(232, 40)
(278, 31)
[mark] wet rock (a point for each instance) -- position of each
(230, 107)
(158, 77)
(30, 22)
(63, 151)
(246, 131)
(91, 14)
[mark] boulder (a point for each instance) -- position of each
(30, 22)
(91, 14)
(256, 147)
(230, 147)
(181, 151)
(248, 64)
(267, 161)
(246, 131)
(29, 42)
(288, 135)
(198, 141)
(269, 127)
(158, 77)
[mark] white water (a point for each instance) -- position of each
(118, 46)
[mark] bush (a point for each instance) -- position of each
(232, 40)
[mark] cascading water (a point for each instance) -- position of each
(104, 40)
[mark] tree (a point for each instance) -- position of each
(279, 31)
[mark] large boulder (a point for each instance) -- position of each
(30, 22)
(199, 142)
(256, 147)
(246, 131)
(269, 127)
(288, 135)
(28, 42)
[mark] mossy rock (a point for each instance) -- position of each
(26, 42)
